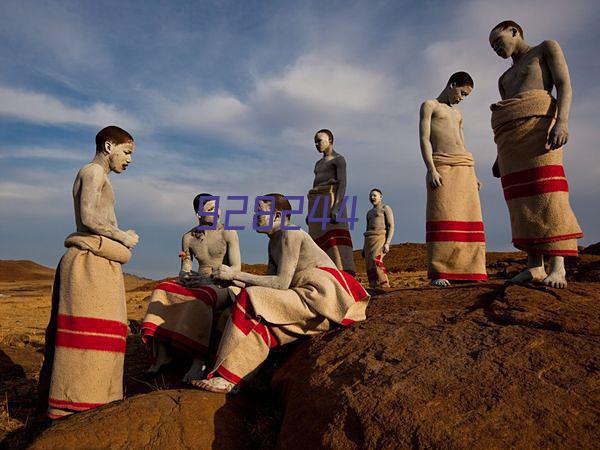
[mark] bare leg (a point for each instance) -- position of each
(216, 384)
(440, 282)
(195, 372)
(558, 274)
(535, 270)
(162, 356)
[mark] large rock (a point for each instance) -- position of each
(175, 419)
(479, 366)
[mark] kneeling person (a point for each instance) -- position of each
(183, 312)
(302, 294)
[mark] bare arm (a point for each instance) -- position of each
(91, 207)
(495, 168)
(340, 167)
(291, 240)
(433, 177)
(186, 260)
(564, 94)
(389, 224)
(233, 249)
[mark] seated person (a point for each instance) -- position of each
(303, 293)
(182, 313)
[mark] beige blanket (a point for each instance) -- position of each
(86, 336)
(455, 236)
(373, 251)
(183, 317)
(334, 239)
(263, 318)
(533, 178)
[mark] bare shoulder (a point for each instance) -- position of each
(428, 105)
(230, 235)
(91, 171)
(550, 47)
(187, 237)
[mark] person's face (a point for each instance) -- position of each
(209, 207)
(458, 93)
(262, 220)
(375, 198)
(119, 156)
(504, 42)
(322, 142)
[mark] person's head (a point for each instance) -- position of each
(207, 206)
(505, 37)
(281, 204)
(117, 144)
(459, 86)
(323, 140)
(375, 196)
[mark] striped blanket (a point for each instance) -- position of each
(183, 317)
(86, 336)
(335, 239)
(533, 179)
(263, 318)
(454, 228)
(373, 251)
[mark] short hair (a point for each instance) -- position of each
(281, 203)
(327, 132)
(509, 24)
(113, 134)
(197, 201)
(377, 190)
(461, 79)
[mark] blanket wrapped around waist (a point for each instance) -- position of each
(183, 316)
(454, 228)
(533, 179)
(86, 336)
(373, 251)
(334, 238)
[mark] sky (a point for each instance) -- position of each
(225, 96)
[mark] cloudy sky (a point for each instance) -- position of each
(224, 97)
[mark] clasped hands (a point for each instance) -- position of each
(191, 279)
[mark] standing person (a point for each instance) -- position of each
(454, 227)
(378, 237)
(86, 336)
(530, 129)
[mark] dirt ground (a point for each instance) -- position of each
(25, 289)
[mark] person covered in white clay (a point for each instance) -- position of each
(378, 237)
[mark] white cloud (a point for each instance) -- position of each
(44, 153)
(45, 109)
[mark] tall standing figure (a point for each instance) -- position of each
(454, 227)
(378, 237)
(85, 339)
(329, 188)
(530, 129)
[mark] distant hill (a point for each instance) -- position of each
(23, 270)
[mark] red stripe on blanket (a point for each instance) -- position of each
(243, 317)
(347, 322)
(76, 406)
(536, 188)
(453, 225)
(379, 262)
(554, 252)
(224, 373)
(458, 276)
(178, 340)
(545, 240)
(454, 236)
(333, 238)
(348, 282)
(91, 325)
(56, 416)
(533, 174)
(89, 342)
(204, 293)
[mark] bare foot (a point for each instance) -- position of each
(216, 384)
(531, 274)
(163, 357)
(440, 282)
(196, 372)
(557, 279)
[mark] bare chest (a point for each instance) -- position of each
(209, 247)
(530, 73)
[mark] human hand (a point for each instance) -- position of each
(559, 135)
(496, 170)
(434, 179)
(130, 239)
(224, 273)
(386, 248)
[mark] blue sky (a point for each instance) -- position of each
(224, 97)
